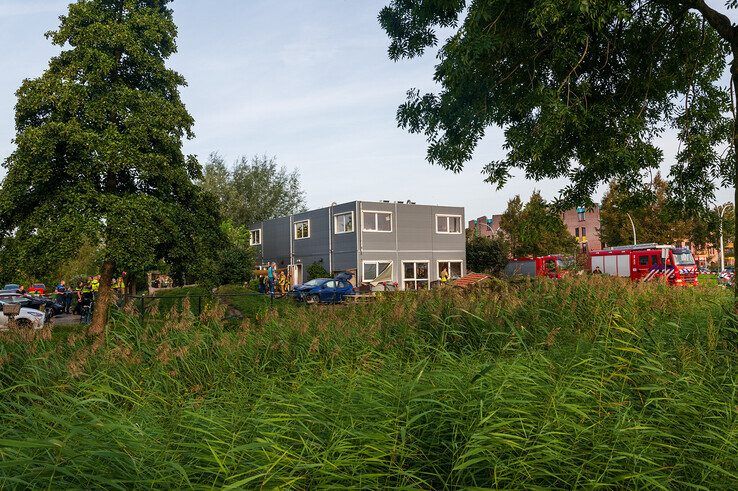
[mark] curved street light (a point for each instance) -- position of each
(632, 224)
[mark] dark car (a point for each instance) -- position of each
(11, 287)
(324, 290)
(46, 305)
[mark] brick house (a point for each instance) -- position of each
(581, 223)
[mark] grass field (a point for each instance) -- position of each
(580, 383)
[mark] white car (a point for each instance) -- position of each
(30, 318)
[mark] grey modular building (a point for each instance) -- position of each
(380, 242)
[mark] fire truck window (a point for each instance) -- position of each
(550, 265)
(654, 260)
(643, 260)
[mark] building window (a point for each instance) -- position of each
(344, 222)
(415, 275)
(256, 237)
(452, 268)
(584, 233)
(376, 221)
(375, 269)
(448, 224)
(576, 232)
(580, 213)
(302, 229)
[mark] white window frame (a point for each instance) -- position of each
(415, 263)
(448, 262)
(335, 222)
(251, 239)
(376, 229)
(300, 222)
(447, 216)
(375, 263)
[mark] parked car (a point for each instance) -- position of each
(324, 290)
(726, 278)
(11, 287)
(30, 318)
(37, 289)
(48, 306)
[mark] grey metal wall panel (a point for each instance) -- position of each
(403, 256)
(275, 241)
(344, 242)
(279, 243)
(377, 240)
(317, 243)
(443, 242)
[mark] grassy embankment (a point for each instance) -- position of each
(577, 383)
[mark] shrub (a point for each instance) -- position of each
(316, 270)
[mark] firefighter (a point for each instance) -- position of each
(282, 282)
(444, 276)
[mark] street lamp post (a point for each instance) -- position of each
(722, 250)
(632, 224)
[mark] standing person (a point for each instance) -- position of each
(444, 276)
(270, 276)
(262, 284)
(282, 282)
(95, 284)
(78, 307)
(21, 289)
(62, 296)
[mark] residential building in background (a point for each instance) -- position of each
(582, 223)
(485, 227)
(378, 241)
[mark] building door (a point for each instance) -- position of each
(297, 276)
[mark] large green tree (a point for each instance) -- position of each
(253, 189)
(654, 216)
(535, 229)
(487, 254)
(581, 88)
(99, 150)
(656, 219)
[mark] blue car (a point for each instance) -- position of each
(324, 290)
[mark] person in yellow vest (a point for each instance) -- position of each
(95, 284)
(444, 276)
(120, 285)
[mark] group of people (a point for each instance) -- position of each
(85, 292)
(273, 279)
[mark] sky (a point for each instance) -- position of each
(306, 81)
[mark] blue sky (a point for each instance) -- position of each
(307, 81)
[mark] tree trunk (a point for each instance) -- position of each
(102, 302)
(734, 81)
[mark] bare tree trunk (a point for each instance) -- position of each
(102, 302)
(734, 81)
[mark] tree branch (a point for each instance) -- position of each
(720, 22)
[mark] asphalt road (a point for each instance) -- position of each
(65, 319)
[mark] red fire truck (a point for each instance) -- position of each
(554, 266)
(646, 262)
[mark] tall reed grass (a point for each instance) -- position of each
(579, 383)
